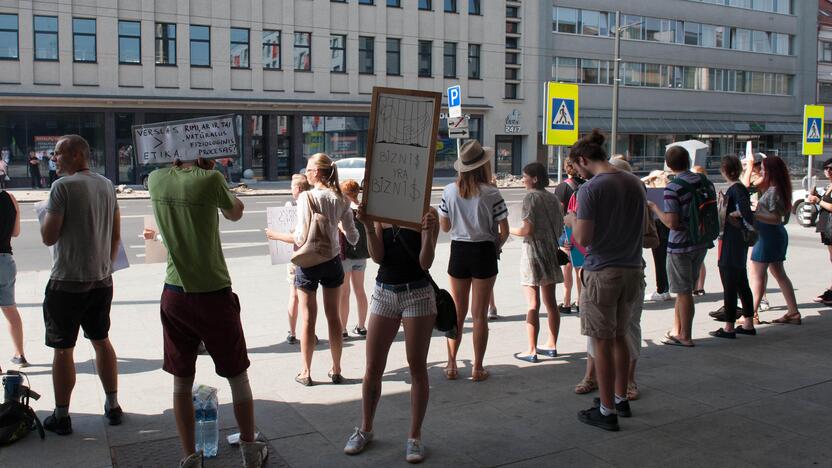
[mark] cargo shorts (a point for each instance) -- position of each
(608, 299)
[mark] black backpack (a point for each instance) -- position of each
(18, 419)
(358, 251)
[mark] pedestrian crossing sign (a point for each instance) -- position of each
(813, 130)
(560, 122)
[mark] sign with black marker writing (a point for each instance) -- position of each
(281, 219)
(186, 140)
(400, 153)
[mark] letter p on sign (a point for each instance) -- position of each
(454, 101)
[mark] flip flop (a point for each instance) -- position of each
(530, 358)
(788, 321)
(673, 341)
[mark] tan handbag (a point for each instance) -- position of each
(317, 247)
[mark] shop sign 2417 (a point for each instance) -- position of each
(513, 122)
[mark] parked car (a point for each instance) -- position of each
(804, 218)
(351, 168)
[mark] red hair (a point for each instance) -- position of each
(777, 175)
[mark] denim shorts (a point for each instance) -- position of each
(683, 270)
(329, 273)
(8, 273)
(354, 264)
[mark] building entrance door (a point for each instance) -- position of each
(509, 154)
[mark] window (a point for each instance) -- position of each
(129, 42)
(512, 27)
(366, 54)
(338, 56)
(449, 56)
(512, 43)
(632, 74)
(165, 44)
(512, 74)
(425, 68)
(425, 5)
(201, 46)
(366, 2)
(740, 39)
(781, 44)
(590, 22)
(394, 3)
(394, 56)
(303, 46)
(760, 42)
(667, 31)
(83, 40)
(450, 6)
(46, 38)
(512, 12)
(567, 70)
(511, 90)
(825, 92)
(474, 51)
(692, 33)
(652, 75)
(825, 51)
(567, 20)
(652, 29)
(512, 58)
(9, 48)
(712, 36)
(271, 50)
(633, 27)
(474, 7)
(239, 48)
(589, 71)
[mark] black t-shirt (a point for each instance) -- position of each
(398, 267)
(7, 218)
(565, 189)
(734, 252)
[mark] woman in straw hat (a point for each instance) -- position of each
(475, 214)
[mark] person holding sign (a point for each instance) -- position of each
(197, 303)
(475, 214)
(326, 199)
(403, 295)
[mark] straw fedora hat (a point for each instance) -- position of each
(472, 155)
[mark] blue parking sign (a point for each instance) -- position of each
(454, 96)
(563, 112)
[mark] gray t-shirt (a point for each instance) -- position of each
(616, 202)
(88, 204)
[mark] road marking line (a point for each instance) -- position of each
(241, 231)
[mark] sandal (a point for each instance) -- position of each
(789, 319)
(585, 386)
(479, 375)
(305, 381)
(671, 340)
(632, 391)
(451, 374)
(336, 378)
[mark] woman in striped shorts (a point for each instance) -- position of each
(402, 295)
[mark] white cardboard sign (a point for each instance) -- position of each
(186, 140)
(281, 219)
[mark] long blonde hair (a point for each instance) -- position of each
(328, 172)
(469, 182)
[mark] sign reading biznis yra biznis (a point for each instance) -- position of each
(186, 140)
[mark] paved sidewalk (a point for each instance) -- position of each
(754, 401)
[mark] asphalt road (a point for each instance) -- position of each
(243, 238)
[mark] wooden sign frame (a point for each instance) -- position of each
(371, 140)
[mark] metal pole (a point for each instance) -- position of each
(809, 176)
(615, 84)
(560, 163)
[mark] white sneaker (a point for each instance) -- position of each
(492, 314)
(657, 296)
(357, 442)
(254, 453)
(414, 453)
(764, 305)
(193, 460)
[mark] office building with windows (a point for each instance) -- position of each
(720, 71)
(298, 74)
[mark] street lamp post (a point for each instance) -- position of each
(616, 80)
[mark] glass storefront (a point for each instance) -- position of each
(25, 132)
(339, 137)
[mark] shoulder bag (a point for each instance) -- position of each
(317, 247)
(445, 307)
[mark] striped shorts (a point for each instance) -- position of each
(407, 303)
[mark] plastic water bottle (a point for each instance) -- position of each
(210, 428)
(205, 416)
(198, 419)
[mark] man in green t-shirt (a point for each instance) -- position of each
(197, 302)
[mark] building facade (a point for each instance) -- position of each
(298, 74)
(720, 71)
(824, 90)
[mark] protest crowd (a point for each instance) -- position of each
(590, 232)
